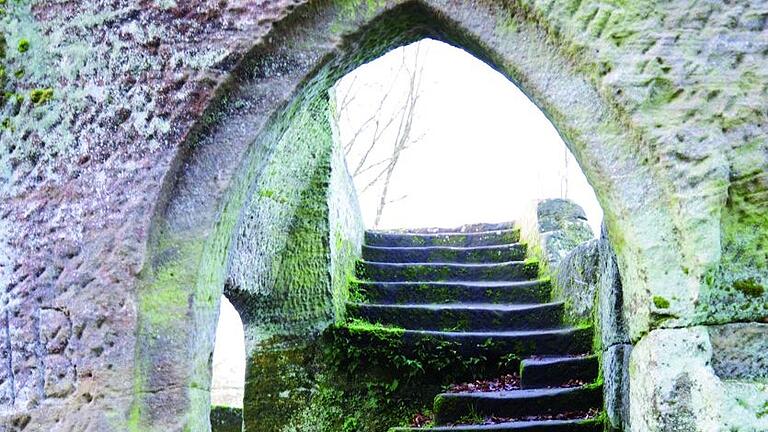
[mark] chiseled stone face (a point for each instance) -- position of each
(679, 382)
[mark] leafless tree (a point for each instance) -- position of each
(383, 124)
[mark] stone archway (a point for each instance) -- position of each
(118, 216)
(669, 236)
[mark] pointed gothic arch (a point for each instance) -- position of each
(216, 201)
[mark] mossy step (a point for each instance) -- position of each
(461, 316)
(453, 407)
(557, 371)
(468, 228)
(487, 344)
(437, 358)
(536, 291)
(445, 254)
(522, 343)
(484, 238)
(429, 272)
(577, 425)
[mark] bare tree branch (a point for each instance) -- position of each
(383, 123)
(404, 131)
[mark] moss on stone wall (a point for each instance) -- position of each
(22, 52)
(734, 288)
(662, 223)
(368, 381)
(345, 220)
(660, 302)
(280, 281)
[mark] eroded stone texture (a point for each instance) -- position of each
(553, 228)
(587, 280)
(127, 159)
(576, 280)
(615, 341)
(675, 385)
(616, 383)
(294, 253)
(610, 312)
(558, 234)
(740, 351)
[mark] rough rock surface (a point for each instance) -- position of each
(558, 234)
(576, 280)
(553, 228)
(586, 278)
(680, 381)
(614, 338)
(610, 314)
(131, 134)
(616, 382)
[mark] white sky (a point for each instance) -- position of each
(486, 153)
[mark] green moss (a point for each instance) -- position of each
(226, 419)
(763, 412)
(273, 195)
(598, 383)
(731, 285)
(660, 302)
(366, 383)
(166, 301)
(362, 326)
(23, 45)
(289, 386)
(472, 417)
(600, 420)
(356, 292)
(661, 91)
(749, 287)
(531, 261)
(343, 405)
(279, 377)
(41, 96)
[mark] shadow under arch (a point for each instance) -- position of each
(202, 232)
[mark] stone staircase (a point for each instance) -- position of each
(473, 288)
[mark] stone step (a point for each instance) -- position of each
(454, 317)
(523, 343)
(537, 291)
(576, 425)
(448, 357)
(445, 254)
(491, 344)
(453, 407)
(557, 371)
(429, 272)
(468, 239)
(468, 228)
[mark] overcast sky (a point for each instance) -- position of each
(485, 153)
